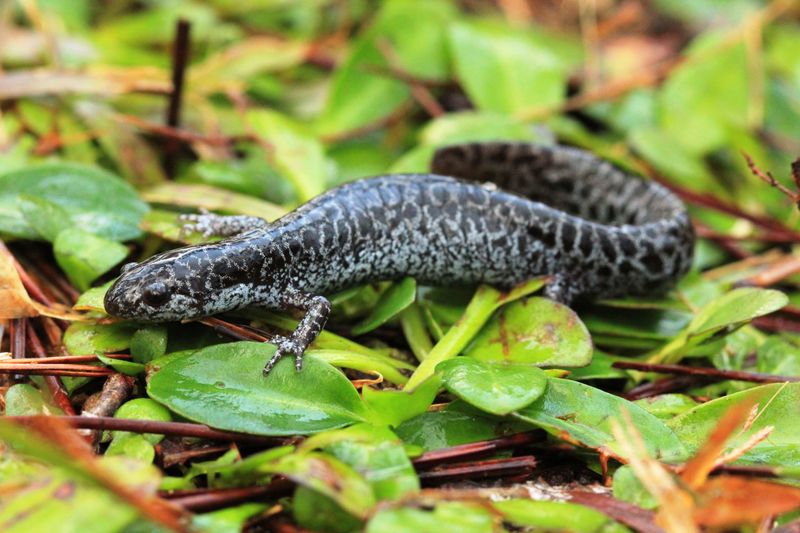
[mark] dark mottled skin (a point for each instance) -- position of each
(547, 210)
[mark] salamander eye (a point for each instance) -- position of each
(127, 267)
(155, 294)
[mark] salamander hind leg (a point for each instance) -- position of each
(317, 309)
(562, 289)
(212, 225)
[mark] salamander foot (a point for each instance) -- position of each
(285, 346)
(212, 225)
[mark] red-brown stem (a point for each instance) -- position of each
(455, 453)
(510, 466)
(776, 324)
(736, 375)
(664, 386)
(57, 391)
(178, 429)
(210, 499)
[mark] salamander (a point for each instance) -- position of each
(495, 212)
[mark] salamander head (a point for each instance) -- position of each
(180, 284)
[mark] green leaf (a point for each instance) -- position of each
(496, 388)
(666, 406)
(556, 516)
(228, 520)
(583, 414)
(777, 407)
(212, 198)
(25, 400)
(82, 191)
(84, 256)
(392, 302)
(83, 338)
(45, 217)
(295, 153)
(503, 69)
(148, 343)
(708, 95)
(327, 476)
(463, 126)
(483, 304)
(374, 452)
(122, 366)
(534, 331)
(393, 407)
(723, 315)
(142, 409)
(446, 517)
(315, 512)
(223, 386)
(457, 424)
(92, 300)
(415, 31)
(132, 446)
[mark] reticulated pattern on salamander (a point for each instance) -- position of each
(554, 210)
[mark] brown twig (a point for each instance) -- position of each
(663, 386)
(54, 385)
(180, 59)
(209, 499)
(713, 373)
(182, 135)
(455, 453)
(510, 466)
(45, 369)
(233, 330)
(178, 429)
(776, 272)
(769, 179)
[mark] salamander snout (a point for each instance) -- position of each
(145, 294)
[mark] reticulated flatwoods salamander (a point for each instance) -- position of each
(496, 213)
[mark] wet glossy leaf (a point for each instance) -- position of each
(777, 407)
(223, 386)
(84, 256)
(536, 331)
(81, 191)
(92, 300)
(392, 302)
(582, 415)
(497, 388)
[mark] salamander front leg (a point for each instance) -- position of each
(561, 289)
(317, 309)
(210, 224)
